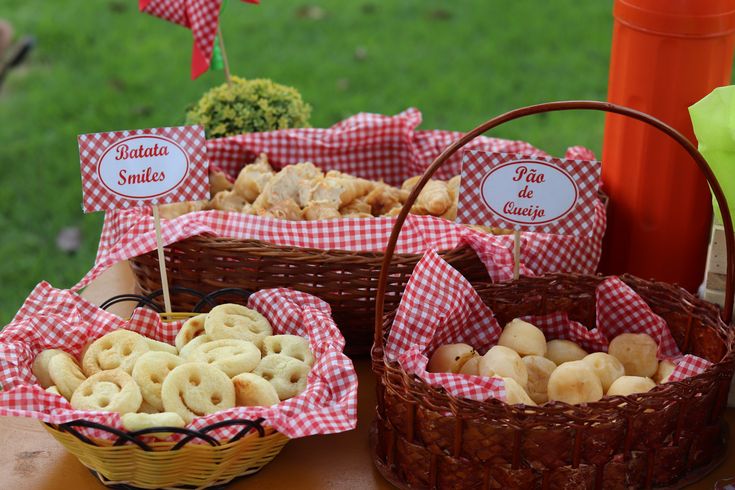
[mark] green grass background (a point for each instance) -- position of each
(100, 65)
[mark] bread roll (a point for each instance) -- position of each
(637, 352)
(319, 210)
(561, 351)
(218, 182)
(434, 198)
(665, 368)
(227, 201)
(515, 394)
(628, 385)
(539, 369)
(504, 362)
(573, 382)
(472, 366)
(450, 358)
(606, 367)
(524, 338)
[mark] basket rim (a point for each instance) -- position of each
(212, 241)
(158, 446)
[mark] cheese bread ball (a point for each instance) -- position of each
(515, 394)
(628, 385)
(573, 382)
(561, 351)
(606, 367)
(539, 369)
(524, 338)
(450, 358)
(472, 366)
(504, 362)
(637, 352)
(665, 368)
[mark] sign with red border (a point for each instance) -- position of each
(524, 193)
(121, 169)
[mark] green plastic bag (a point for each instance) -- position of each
(713, 119)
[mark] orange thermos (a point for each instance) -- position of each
(666, 55)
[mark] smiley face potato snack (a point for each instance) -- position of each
(197, 389)
(219, 360)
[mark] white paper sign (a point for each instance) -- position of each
(143, 166)
(529, 192)
(121, 169)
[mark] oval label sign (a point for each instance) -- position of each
(143, 167)
(529, 192)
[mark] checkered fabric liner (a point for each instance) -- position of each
(53, 318)
(200, 16)
(476, 164)
(130, 233)
(371, 146)
(451, 311)
(97, 197)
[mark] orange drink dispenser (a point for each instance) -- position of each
(666, 55)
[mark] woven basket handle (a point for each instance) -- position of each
(554, 107)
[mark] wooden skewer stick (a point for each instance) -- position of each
(225, 62)
(516, 254)
(161, 260)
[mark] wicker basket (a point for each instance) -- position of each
(346, 280)
(196, 461)
(424, 437)
(134, 464)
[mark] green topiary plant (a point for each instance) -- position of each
(249, 106)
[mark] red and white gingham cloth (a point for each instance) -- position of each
(53, 318)
(451, 311)
(372, 146)
(200, 16)
(97, 197)
(130, 233)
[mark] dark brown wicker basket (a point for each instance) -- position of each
(424, 437)
(346, 280)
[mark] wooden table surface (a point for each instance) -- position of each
(32, 460)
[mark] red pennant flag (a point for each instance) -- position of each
(200, 16)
